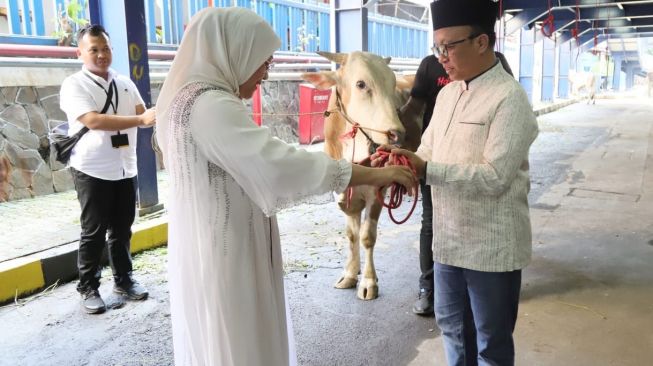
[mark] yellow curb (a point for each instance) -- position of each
(23, 276)
(19, 277)
(151, 234)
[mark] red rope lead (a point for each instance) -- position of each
(397, 191)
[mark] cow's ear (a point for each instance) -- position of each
(387, 60)
(322, 80)
(339, 58)
(405, 82)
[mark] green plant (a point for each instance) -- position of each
(304, 38)
(159, 34)
(68, 21)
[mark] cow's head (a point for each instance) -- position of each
(366, 86)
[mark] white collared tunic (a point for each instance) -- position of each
(477, 147)
(94, 154)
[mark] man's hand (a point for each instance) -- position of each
(418, 164)
(377, 160)
(148, 118)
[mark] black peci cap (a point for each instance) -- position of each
(452, 13)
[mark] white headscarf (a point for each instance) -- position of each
(222, 47)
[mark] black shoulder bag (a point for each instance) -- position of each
(63, 144)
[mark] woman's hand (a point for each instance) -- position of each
(397, 174)
(383, 177)
(377, 159)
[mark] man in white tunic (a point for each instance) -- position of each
(228, 179)
(474, 155)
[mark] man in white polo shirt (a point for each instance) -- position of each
(103, 164)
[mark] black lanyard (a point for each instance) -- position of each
(113, 89)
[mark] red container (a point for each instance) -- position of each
(312, 102)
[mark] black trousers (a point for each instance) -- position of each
(108, 211)
(426, 239)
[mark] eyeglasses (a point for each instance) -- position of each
(443, 49)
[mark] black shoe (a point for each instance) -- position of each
(92, 302)
(424, 303)
(134, 292)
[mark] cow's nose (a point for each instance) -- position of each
(396, 137)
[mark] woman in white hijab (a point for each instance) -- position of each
(228, 179)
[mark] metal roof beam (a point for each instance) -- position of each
(586, 45)
(564, 25)
(627, 30)
(582, 29)
(529, 4)
(524, 18)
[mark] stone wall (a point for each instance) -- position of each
(27, 168)
(27, 113)
(280, 106)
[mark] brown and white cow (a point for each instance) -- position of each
(366, 93)
(583, 80)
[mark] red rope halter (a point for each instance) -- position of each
(397, 191)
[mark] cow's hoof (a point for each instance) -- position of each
(346, 282)
(368, 290)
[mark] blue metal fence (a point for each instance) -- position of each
(25, 18)
(302, 27)
(526, 61)
(399, 38)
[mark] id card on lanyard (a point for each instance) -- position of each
(118, 140)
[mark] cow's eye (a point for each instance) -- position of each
(360, 84)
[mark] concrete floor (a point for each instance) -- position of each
(587, 297)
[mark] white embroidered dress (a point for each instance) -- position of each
(228, 179)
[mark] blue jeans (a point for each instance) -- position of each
(476, 312)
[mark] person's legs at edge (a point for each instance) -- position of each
(424, 303)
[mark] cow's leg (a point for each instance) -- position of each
(368, 288)
(352, 266)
